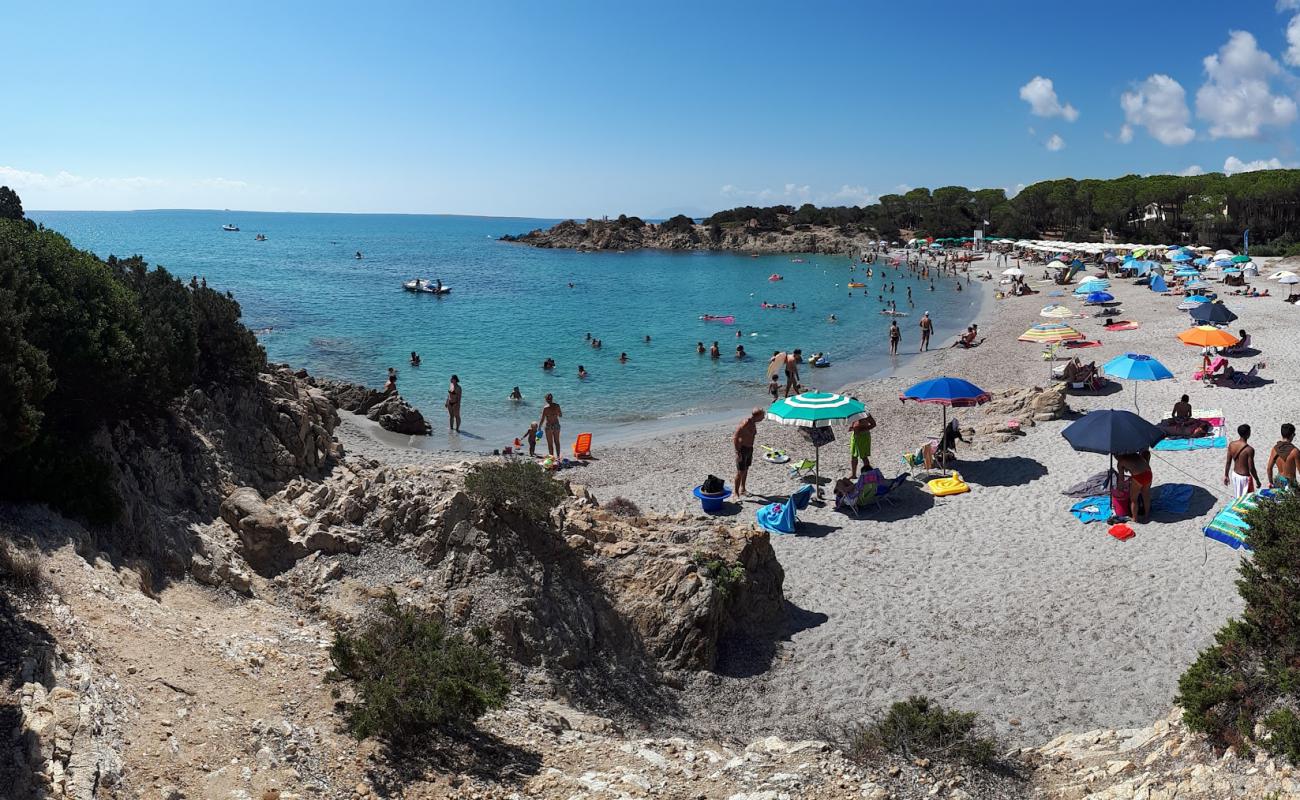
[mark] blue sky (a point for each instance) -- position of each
(574, 109)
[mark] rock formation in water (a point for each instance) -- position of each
(389, 410)
(633, 234)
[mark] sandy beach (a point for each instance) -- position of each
(998, 600)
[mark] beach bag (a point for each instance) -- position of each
(712, 485)
(818, 437)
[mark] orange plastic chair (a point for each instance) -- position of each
(582, 447)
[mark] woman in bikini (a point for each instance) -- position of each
(1138, 467)
(453, 404)
(550, 424)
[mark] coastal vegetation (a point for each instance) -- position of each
(520, 485)
(1245, 689)
(918, 727)
(411, 678)
(86, 343)
(1212, 209)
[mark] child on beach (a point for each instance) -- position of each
(531, 436)
(773, 388)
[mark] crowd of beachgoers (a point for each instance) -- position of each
(998, 599)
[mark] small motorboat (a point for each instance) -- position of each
(775, 277)
(796, 261)
(422, 286)
(229, 227)
(725, 319)
(261, 237)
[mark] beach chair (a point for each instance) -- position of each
(1239, 348)
(797, 470)
(1217, 364)
(582, 446)
(801, 496)
(887, 491)
(863, 492)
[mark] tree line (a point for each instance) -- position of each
(1211, 209)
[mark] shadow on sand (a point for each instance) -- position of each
(745, 656)
(1002, 471)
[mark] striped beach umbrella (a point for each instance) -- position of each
(1050, 333)
(1056, 312)
(816, 410)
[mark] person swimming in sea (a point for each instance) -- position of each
(713, 351)
(415, 359)
(740, 351)
(548, 364)
(582, 371)
(516, 396)
(699, 348)
(622, 358)
(833, 318)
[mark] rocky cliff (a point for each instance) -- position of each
(634, 234)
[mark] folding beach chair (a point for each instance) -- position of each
(797, 470)
(582, 446)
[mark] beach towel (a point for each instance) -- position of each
(1202, 443)
(1122, 326)
(1229, 527)
(1172, 498)
(776, 517)
(1097, 484)
(1077, 345)
(1092, 509)
(1214, 416)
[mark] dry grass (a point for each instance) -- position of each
(20, 567)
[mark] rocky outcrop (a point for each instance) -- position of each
(389, 410)
(1012, 411)
(173, 471)
(632, 234)
(1163, 761)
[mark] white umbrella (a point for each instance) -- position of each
(1283, 274)
(1014, 272)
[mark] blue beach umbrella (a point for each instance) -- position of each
(1180, 257)
(1136, 367)
(945, 391)
(1223, 262)
(1112, 432)
(1099, 297)
(1187, 272)
(1231, 271)
(1201, 262)
(1196, 298)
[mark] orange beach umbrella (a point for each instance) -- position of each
(1207, 336)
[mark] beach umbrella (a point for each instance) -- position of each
(1099, 297)
(1207, 336)
(1231, 271)
(1201, 262)
(1136, 367)
(1282, 274)
(1240, 259)
(1050, 333)
(1212, 314)
(1187, 272)
(1180, 257)
(1056, 311)
(945, 392)
(816, 410)
(1014, 272)
(1111, 258)
(1289, 280)
(1223, 262)
(1139, 252)
(1112, 432)
(1197, 299)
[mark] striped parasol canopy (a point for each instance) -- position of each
(816, 409)
(1055, 311)
(1050, 333)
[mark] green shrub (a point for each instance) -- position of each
(411, 678)
(1251, 673)
(919, 727)
(520, 485)
(726, 578)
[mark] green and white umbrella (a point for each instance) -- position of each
(817, 410)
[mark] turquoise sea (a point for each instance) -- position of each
(317, 306)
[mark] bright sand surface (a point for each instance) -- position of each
(997, 600)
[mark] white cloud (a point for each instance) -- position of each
(1292, 54)
(1055, 143)
(1236, 98)
(1012, 191)
(1158, 104)
(1288, 5)
(223, 183)
(19, 180)
(1195, 169)
(68, 190)
(797, 194)
(1043, 102)
(1234, 165)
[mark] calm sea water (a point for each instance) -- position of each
(319, 307)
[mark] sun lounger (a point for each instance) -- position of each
(1239, 348)
(1217, 364)
(863, 492)
(886, 491)
(1246, 378)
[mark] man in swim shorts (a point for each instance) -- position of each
(1286, 457)
(1240, 465)
(743, 442)
(860, 444)
(927, 328)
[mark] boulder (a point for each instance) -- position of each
(396, 415)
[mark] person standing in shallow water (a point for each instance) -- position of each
(927, 328)
(453, 404)
(550, 423)
(895, 336)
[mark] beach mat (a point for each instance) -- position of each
(1202, 443)
(1095, 485)
(1173, 498)
(1228, 526)
(1078, 345)
(1122, 326)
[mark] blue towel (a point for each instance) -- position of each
(1201, 443)
(1173, 498)
(1092, 509)
(776, 517)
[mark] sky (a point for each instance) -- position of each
(558, 109)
